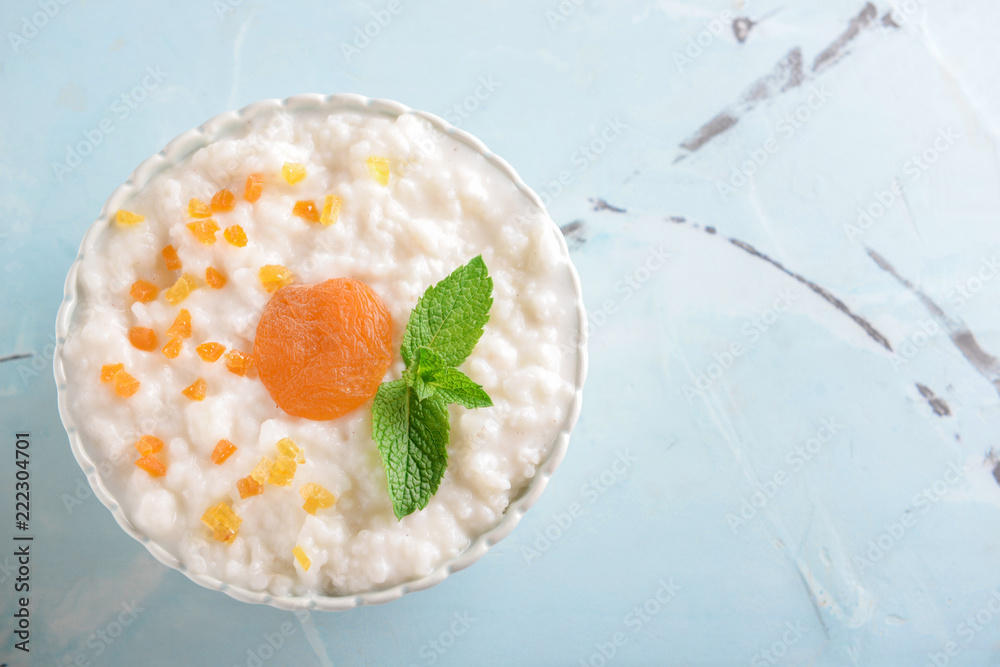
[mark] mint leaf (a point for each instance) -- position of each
(412, 437)
(454, 386)
(450, 316)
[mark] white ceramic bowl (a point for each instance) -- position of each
(224, 126)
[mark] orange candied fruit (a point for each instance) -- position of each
(182, 324)
(316, 497)
(262, 470)
(238, 362)
(331, 209)
(274, 276)
(198, 209)
(223, 450)
(223, 521)
(293, 172)
(254, 186)
(173, 348)
(248, 486)
(210, 352)
(235, 235)
(128, 218)
(306, 210)
(223, 201)
(378, 168)
(204, 230)
(171, 259)
(125, 384)
(143, 291)
(148, 444)
(282, 472)
(181, 289)
(142, 338)
(214, 279)
(108, 371)
(152, 465)
(301, 556)
(287, 447)
(196, 392)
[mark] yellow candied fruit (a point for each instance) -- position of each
(331, 209)
(223, 521)
(235, 235)
(170, 258)
(125, 384)
(223, 450)
(274, 276)
(261, 471)
(282, 472)
(306, 210)
(198, 209)
(293, 172)
(181, 289)
(214, 279)
(238, 362)
(148, 444)
(248, 486)
(152, 465)
(204, 230)
(316, 497)
(173, 348)
(223, 201)
(378, 168)
(255, 185)
(196, 392)
(128, 218)
(181, 327)
(288, 447)
(143, 291)
(303, 559)
(108, 371)
(142, 338)
(210, 352)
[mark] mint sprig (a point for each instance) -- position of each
(410, 416)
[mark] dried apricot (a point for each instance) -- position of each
(173, 348)
(210, 352)
(274, 276)
(301, 556)
(235, 235)
(347, 330)
(214, 279)
(152, 465)
(223, 450)
(378, 168)
(331, 209)
(293, 172)
(182, 324)
(248, 486)
(142, 338)
(125, 384)
(143, 291)
(255, 185)
(181, 289)
(128, 218)
(306, 210)
(108, 371)
(237, 362)
(171, 259)
(223, 201)
(316, 497)
(196, 392)
(148, 444)
(198, 209)
(204, 230)
(223, 522)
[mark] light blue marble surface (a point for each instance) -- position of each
(870, 526)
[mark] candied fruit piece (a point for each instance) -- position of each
(303, 559)
(223, 450)
(223, 521)
(274, 276)
(210, 352)
(108, 371)
(125, 384)
(148, 444)
(198, 209)
(378, 168)
(237, 362)
(255, 185)
(348, 332)
(223, 201)
(282, 471)
(128, 218)
(262, 470)
(181, 289)
(171, 259)
(306, 210)
(235, 235)
(173, 348)
(152, 465)
(204, 230)
(293, 172)
(142, 338)
(214, 279)
(196, 392)
(182, 324)
(316, 497)
(248, 486)
(143, 291)
(287, 447)
(331, 209)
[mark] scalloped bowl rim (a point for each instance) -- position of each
(179, 149)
